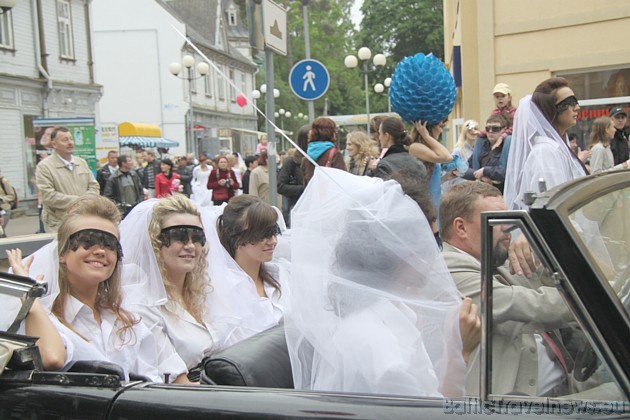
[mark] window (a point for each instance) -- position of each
(208, 84)
(541, 351)
(193, 83)
(609, 83)
(232, 16)
(64, 23)
(232, 84)
(221, 83)
(6, 30)
(243, 82)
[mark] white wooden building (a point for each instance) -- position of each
(46, 71)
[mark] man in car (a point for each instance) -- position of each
(525, 310)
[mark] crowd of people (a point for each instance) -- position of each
(380, 284)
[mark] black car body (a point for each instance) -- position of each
(598, 294)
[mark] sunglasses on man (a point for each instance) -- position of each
(182, 234)
(88, 238)
(493, 128)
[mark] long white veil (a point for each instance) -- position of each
(141, 278)
(372, 306)
(234, 304)
(525, 168)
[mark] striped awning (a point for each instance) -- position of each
(143, 141)
(143, 135)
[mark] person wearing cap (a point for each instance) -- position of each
(503, 100)
(619, 144)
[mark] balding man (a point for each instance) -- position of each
(523, 310)
(61, 178)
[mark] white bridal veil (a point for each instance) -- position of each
(372, 306)
(537, 151)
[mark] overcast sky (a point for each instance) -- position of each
(355, 12)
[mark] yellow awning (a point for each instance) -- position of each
(128, 129)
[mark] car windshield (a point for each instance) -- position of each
(603, 225)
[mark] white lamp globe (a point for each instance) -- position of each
(263, 88)
(175, 68)
(203, 68)
(388, 81)
(256, 94)
(379, 60)
(350, 61)
(288, 114)
(276, 93)
(379, 88)
(364, 53)
(188, 61)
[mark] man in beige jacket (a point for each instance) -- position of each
(524, 310)
(61, 178)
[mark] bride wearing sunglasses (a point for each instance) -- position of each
(246, 291)
(540, 145)
(85, 302)
(166, 279)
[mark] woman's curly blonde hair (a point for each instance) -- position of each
(196, 283)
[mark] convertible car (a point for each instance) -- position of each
(580, 234)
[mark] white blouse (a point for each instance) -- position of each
(137, 353)
(174, 327)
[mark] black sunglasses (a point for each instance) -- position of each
(183, 234)
(493, 128)
(87, 238)
(566, 103)
(245, 236)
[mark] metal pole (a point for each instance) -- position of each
(367, 96)
(269, 110)
(307, 50)
(190, 147)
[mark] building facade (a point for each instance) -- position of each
(46, 71)
(523, 42)
(135, 42)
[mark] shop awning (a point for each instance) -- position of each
(143, 135)
(147, 141)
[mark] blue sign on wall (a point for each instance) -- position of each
(309, 80)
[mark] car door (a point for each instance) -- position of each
(575, 359)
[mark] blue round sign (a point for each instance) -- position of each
(309, 80)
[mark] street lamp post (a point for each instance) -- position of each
(175, 68)
(351, 62)
(380, 88)
(257, 93)
(283, 114)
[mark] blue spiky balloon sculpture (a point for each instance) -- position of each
(422, 89)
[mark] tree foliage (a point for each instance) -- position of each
(403, 28)
(398, 28)
(331, 35)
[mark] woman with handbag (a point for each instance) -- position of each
(222, 181)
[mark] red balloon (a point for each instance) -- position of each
(241, 100)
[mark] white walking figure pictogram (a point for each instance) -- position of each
(308, 79)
